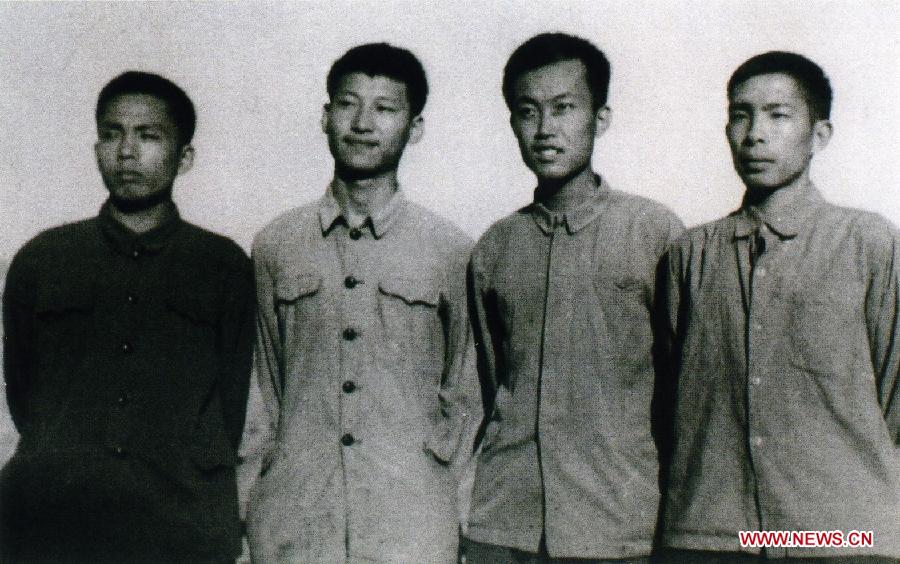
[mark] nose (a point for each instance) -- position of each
(757, 130)
(362, 119)
(127, 146)
(546, 125)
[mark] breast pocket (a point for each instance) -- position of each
(64, 318)
(408, 310)
(823, 330)
(294, 300)
(622, 316)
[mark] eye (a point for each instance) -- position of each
(107, 134)
(563, 107)
(526, 112)
(386, 108)
(780, 115)
(151, 136)
(737, 117)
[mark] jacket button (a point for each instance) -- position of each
(127, 348)
(135, 253)
(119, 450)
(349, 386)
(350, 334)
(355, 234)
(347, 439)
(122, 400)
(350, 282)
(132, 299)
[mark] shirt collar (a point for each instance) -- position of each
(574, 219)
(785, 211)
(380, 221)
(128, 242)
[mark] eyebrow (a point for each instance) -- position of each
(557, 98)
(767, 107)
(108, 124)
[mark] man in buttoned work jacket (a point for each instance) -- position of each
(563, 293)
(785, 320)
(365, 356)
(127, 350)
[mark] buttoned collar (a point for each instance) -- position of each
(330, 213)
(574, 219)
(785, 211)
(128, 242)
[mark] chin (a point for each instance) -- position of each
(352, 172)
(549, 172)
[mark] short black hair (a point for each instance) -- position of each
(549, 48)
(180, 107)
(808, 75)
(383, 59)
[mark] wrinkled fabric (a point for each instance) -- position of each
(787, 414)
(366, 365)
(127, 365)
(563, 304)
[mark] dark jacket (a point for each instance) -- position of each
(127, 362)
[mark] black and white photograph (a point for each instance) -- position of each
(434, 282)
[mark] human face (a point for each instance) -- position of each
(554, 120)
(138, 151)
(368, 124)
(772, 133)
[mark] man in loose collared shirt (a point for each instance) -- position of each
(786, 320)
(563, 291)
(127, 348)
(365, 355)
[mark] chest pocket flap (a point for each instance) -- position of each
(198, 307)
(413, 291)
(62, 298)
(291, 287)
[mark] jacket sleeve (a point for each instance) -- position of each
(665, 303)
(269, 349)
(486, 334)
(883, 322)
(236, 348)
(18, 339)
(451, 439)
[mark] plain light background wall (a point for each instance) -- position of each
(256, 72)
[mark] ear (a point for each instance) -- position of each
(603, 118)
(325, 109)
(416, 129)
(821, 135)
(97, 152)
(186, 161)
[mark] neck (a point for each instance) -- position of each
(141, 221)
(756, 196)
(359, 197)
(563, 194)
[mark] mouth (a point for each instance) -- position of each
(756, 163)
(129, 176)
(546, 153)
(360, 143)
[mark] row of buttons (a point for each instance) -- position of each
(126, 347)
(350, 334)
